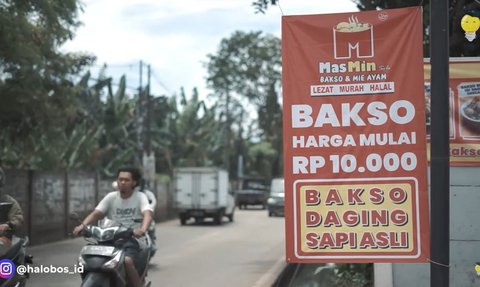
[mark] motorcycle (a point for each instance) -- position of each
(16, 253)
(153, 237)
(152, 201)
(103, 257)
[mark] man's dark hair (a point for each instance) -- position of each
(135, 172)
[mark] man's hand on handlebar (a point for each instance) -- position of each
(78, 229)
(4, 228)
(138, 232)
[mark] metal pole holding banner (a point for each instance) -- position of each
(439, 159)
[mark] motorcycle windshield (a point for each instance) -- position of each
(104, 234)
(106, 223)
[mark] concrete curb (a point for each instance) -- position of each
(271, 275)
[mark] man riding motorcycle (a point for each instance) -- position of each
(152, 200)
(15, 216)
(12, 247)
(126, 206)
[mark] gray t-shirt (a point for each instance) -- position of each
(124, 211)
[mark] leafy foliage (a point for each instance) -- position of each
(54, 115)
(246, 69)
(353, 275)
(459, 45)
(262, 5)
(36, 80)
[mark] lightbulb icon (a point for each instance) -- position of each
(470, 25)
(477, 269)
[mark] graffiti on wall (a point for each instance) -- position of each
(48, 199)
(81, 193)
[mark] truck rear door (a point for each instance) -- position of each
(184, 189)
(207, 185)
(197, 189)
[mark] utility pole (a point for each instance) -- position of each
(148, 144)
(226, 151)
(439, 163)
(139, 153)
(148, 156)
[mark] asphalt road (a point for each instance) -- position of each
(248, 252)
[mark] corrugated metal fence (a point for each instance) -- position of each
(48, 197)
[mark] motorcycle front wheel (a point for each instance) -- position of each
(94, 279)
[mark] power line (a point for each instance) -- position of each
(130, 73)
(130, 65)
(157, 79)
(114, 84)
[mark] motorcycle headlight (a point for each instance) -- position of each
(112, 263)
(107, 235)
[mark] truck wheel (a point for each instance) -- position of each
(230, 217)
(217, 219)
(183, 220)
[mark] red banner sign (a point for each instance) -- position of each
(355, 137)
(464, 113)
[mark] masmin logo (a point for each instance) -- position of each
(353, 37)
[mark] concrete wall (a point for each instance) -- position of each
(464, 236)
(48, 197)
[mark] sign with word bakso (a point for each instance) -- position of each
(464, 110)
(355, 137)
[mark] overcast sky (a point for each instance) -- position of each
(174, 36)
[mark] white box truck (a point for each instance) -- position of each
(202, 192)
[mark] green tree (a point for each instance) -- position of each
(187, 134)
(459, 46)
(261, 159)
(246, 67)
(36, 80)
(101, 134)
(194, 128)
(270, 122)
(162, 109)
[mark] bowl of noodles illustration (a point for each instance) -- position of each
(353, 33)
(470, 113)
(352, 26)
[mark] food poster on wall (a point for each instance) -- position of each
(355, 137)
(464, 110)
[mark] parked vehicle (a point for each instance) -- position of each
(16, 253)
(252, 191)
(203, 192)
(103, 257)
(276, 200)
